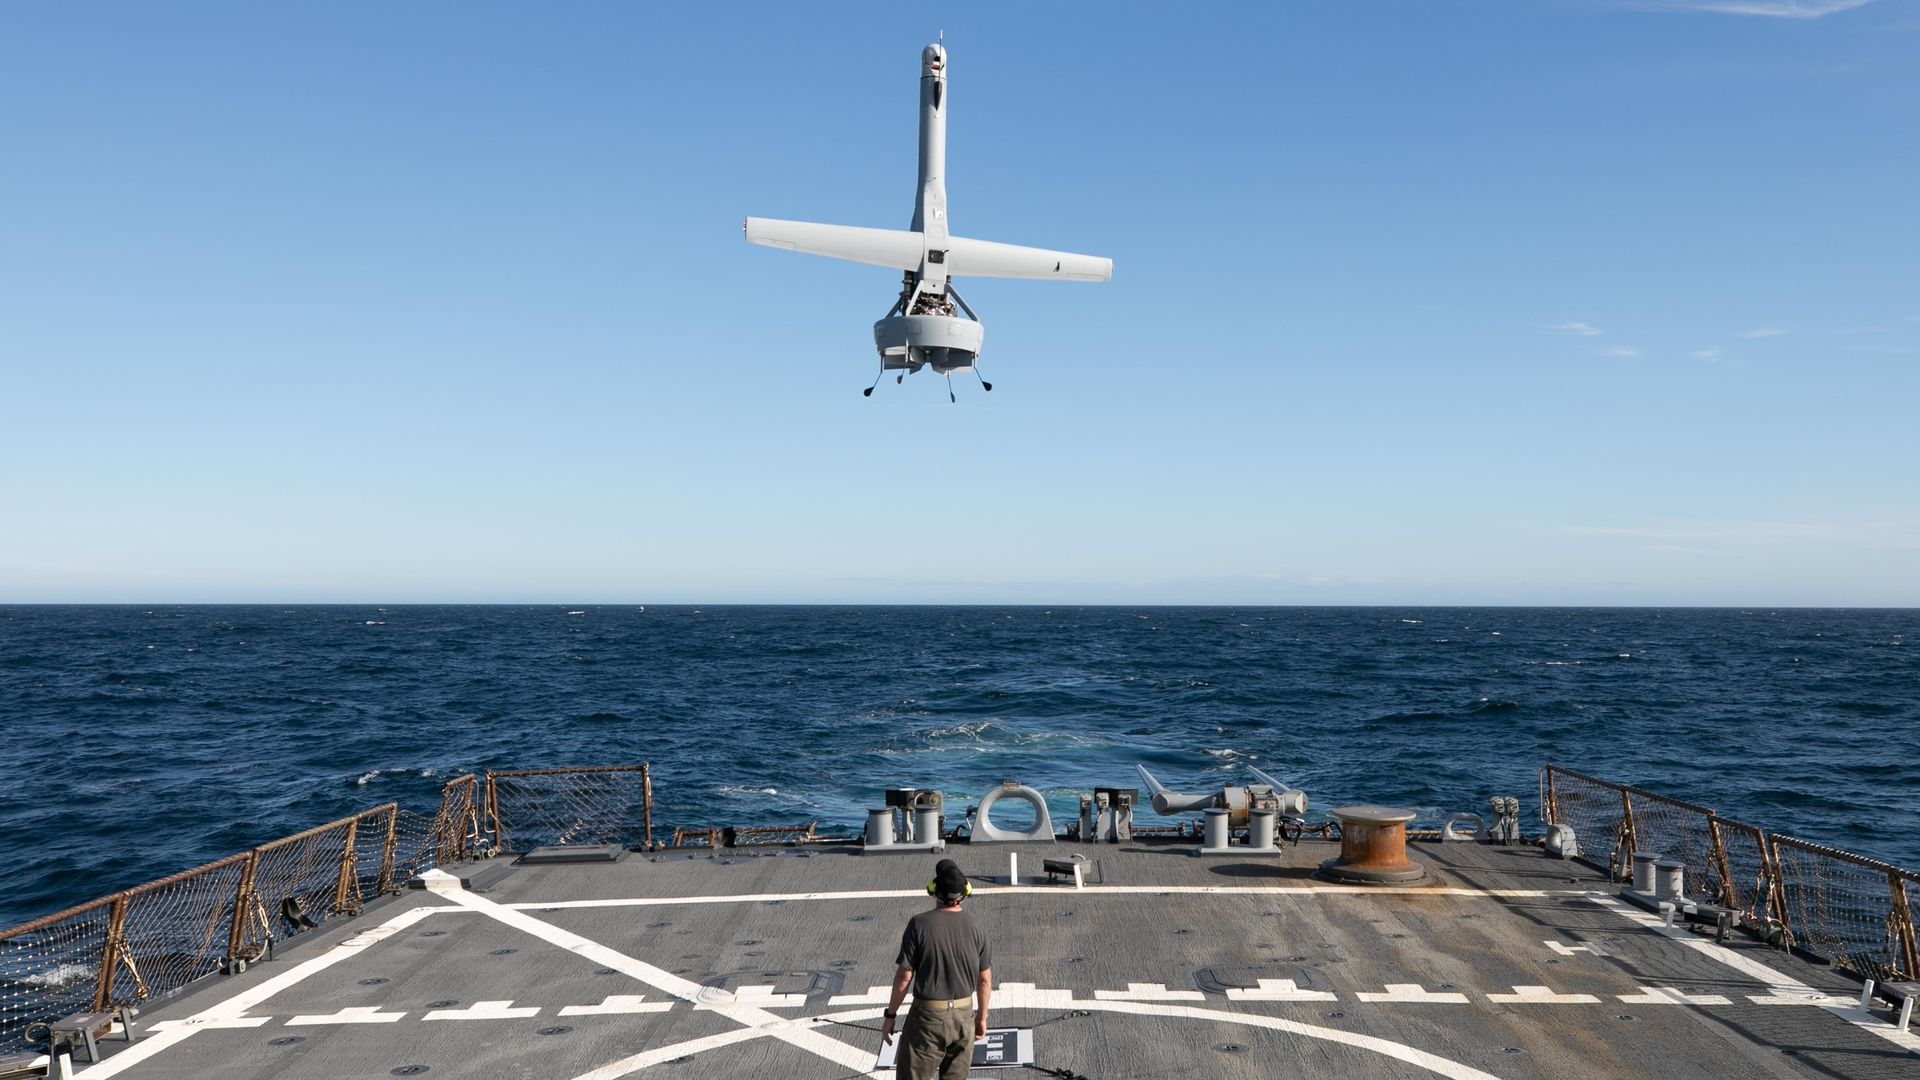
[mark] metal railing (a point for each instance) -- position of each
(153, 939)
(1850, 911)
(597, 804)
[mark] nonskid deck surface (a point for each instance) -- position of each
(1510, 965)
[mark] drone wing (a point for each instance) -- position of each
(985, 258)
(903, 250)
(894, 248)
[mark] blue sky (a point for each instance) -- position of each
(1484, 301)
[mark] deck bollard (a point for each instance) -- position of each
(1373, 848)
(926, 824)
(1906, 1013)
(1670, 879)
(1260, 829)
(880, 827)
(1643, 871)
(1866, 995)
(1013, 868)
(1213, 834)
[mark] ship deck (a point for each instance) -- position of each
(775, 961)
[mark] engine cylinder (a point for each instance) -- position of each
(946, 343)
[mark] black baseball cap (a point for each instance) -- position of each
(948, 880)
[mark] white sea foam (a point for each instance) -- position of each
(64, 975)
(367, 777)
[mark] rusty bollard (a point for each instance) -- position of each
(1373, 848)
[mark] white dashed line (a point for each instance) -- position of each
(1413, 992)
(1278, 990)
(486, 1010)
(1540, 995)
(1148, 992)
(1667, 995)
(359, 1014)
(616, 1004)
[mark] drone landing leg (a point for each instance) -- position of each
(868, 392)
(984, 384)
(950, 398)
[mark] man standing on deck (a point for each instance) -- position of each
(945, 957)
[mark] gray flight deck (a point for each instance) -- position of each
(685, 965)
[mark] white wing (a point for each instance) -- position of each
(902, 250)
(895, 248)
(984, 258)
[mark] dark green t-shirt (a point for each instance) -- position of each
(947, 951)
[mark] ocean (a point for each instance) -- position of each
(144, 740)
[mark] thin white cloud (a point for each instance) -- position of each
(1896, 532)
(1575, 329)
(1624, 351)
(1771, 9)
(1761, 332)
(1711, 352)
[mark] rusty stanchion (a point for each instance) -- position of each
(348, 883)
(383, 884)
(112, 952)
(1373, 848)
(242, 909)
(1901, 889)
(1629, 836)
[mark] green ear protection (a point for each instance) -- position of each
(931, 891)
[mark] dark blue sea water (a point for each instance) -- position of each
(142, 741)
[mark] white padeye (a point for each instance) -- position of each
(929, 325)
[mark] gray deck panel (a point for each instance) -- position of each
(1341, 942)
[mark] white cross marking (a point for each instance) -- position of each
(485, 1010)
(1148, 992)
(1405, 992)
(1540, 995)
(359, 1014)
(618, 1003)
(1568, 950)
(1278, 990)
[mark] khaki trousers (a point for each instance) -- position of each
(935, 1043)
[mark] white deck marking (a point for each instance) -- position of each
(235, 1022)
(875, 995)
(1568, 950)
(613, 1070)
(1112, 890)
(1667, 995)
(830, 1048)
(1452, 1070)
(1278, 990)
(237, 1006)
(1540, 995)
(1413, 992)
(760, 997)
(618, 1003)
(1148, 992)
(358, 1014)
(486, 1010)
(1811, 997)
(1778, 984)
(1024, 995)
